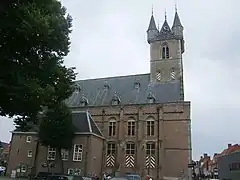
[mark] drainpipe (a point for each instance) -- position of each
(104, 148)
(158, 142)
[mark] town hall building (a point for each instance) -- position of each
(127, 124)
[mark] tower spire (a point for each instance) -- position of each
(175, 5)
(152, 9)
(165, 14)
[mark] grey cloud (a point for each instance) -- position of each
(109, 39)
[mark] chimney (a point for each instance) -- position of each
(205, 155)
(215, 154)
(229, 145)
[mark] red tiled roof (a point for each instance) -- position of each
(230, 149)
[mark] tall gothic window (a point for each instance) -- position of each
(112, 127)
(165, 52)
(131, 125)
(150, 127)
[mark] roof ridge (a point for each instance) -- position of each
(112, 77)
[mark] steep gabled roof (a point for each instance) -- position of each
(84, 123)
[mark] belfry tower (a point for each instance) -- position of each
(166, 49)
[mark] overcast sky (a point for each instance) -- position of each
(109, 39)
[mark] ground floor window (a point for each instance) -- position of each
(130, 154)
(74, 171)
(111, 153)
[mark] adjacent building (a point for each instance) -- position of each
(4, 152)
(84, 158)
(229, 166)
(143, 122)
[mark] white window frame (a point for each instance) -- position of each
(131, 125)
(150, 148)
(65, 154)
(30, 153)
(52, 152)
(29, 139)
(151, 124)
(111, 148)
(113, 126)
(23, 168)
(72, 171)
(130, 148)
(77, 152)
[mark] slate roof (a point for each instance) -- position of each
(84, 123)
(152, 24)
(165, 32)
(176, 21)
(132, 89)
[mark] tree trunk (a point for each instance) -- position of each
(60, 161)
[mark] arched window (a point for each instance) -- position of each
(173, 74)
(165, 52)
(150, 126)
(131, 127)
(112, 127)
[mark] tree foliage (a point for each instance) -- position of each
(56, 127)
(34, 39)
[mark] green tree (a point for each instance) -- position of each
(34, 40)
(56, 129)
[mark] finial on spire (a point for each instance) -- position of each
(175, 5)
(152, 9)
(165, 14)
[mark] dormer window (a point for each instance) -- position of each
(77, 88)
(137, 85)
(151, 98)
(115, 100)
(84, 101)
(106, 85)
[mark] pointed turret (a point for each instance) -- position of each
(152, 31)
(177, 27)
(165, 32)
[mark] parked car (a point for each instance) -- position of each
(119, 178)
(64, 177)
(133, 177)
